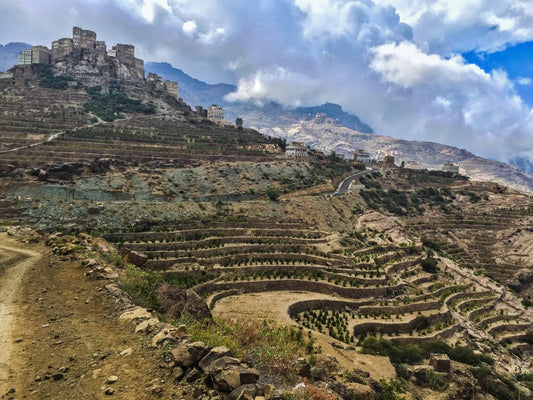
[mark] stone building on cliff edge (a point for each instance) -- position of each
(85, 42)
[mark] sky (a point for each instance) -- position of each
(458, 72)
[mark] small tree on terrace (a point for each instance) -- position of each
(239, 122)
(273, 193)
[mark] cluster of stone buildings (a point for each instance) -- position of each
(167, 86)
(213, 113)
(84, 42)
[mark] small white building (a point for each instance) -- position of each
(297, 149)
(413, 165)
(25, 57)
(215, 113)
(449, 167)
(362, 156)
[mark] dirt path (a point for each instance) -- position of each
(60, 334)
(16, 261)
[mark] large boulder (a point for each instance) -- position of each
(214, 354)
(176, 302)
(233, 376)
(522, 281)
(227, 374)
(359, 391)
(134, 257)
(188, 354)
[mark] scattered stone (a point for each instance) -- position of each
(147, 326)
(127, 352)
(156, 390)
(228, 375)
(37, 378)
(134, 257)
(193, 375)
(176, 301)
(165, 336)
(19, 340)
(135, 313)
(181, 333)
(58, 376)
(89, 263)
(246, 392)
(177, 373)
(112, 379)
(360, 391)
(214, 354)
(182, 356)
(109, 391)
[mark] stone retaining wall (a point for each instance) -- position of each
(397, 327)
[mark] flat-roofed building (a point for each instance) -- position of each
(215, 113)
(449, 167)
(40, 55)
(362, 156)
(413, 165)
(25, 57)
(61, 48)
(297, 149)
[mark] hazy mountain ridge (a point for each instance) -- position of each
(432, 155)
(9, 54)
(195, 92)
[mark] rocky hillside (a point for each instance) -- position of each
(326, 137)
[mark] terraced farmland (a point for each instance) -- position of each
(375, 290)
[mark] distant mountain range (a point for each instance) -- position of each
(9, 54)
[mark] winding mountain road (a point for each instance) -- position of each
(345, 184)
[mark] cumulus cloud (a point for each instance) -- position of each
(394, 63)
(449, 26)
(189, 28)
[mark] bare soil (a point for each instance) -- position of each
(60, 337)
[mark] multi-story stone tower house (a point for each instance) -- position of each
(84, 39)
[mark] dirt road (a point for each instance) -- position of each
(60, 337)
(14, 264)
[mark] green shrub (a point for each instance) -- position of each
(140, 285)
(391, 390)
(273, 193)
(429, 265)
(436, 381)
(109, 106)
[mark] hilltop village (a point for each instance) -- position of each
(120, 60)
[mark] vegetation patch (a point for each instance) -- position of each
(110, 106)
(272, 349)
(412, 354)
(51, 81)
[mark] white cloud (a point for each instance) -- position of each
(524, 81)
(447, 26)
(189, 28)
